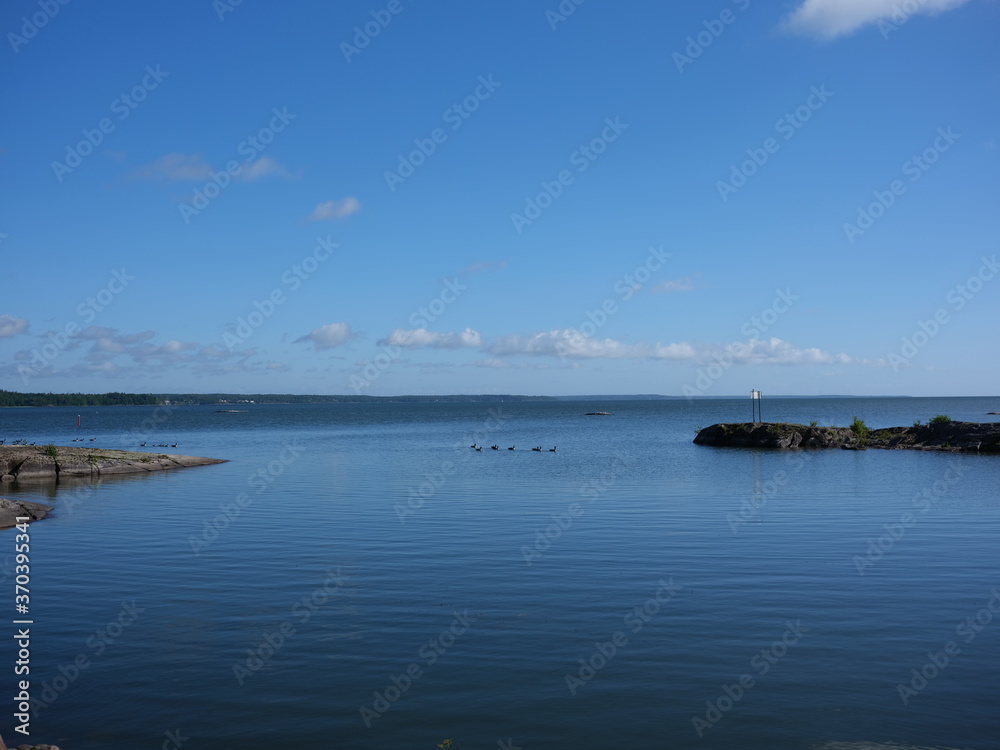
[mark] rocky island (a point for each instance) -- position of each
(49, 463)
(22, 463)
(958, 437)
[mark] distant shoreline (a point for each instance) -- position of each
(13, 399)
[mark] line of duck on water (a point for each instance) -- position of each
(497, 447)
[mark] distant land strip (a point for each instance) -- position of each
(12, 398)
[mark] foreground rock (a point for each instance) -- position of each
(28, 747)
(958, 437)
(43, 463)
(11, 510)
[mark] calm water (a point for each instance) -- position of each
(361, 540)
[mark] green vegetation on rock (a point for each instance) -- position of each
(859, 428)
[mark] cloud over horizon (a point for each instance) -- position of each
(420, 338)
(567, 343)
(11, 326)
(328, 336)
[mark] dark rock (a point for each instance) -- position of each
(772, 435)
(965, 437)
(26, 463)
(11, 509)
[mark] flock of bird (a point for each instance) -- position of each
(497, 447)
(23, 441)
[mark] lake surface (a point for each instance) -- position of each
(356, 565)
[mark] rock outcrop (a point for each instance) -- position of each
(24, 463)
(11, 510)
(958, 437)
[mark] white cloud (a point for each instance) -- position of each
(419, 338)
(175, 167)
(567, 343)
(484, 266)
(333, 210)
(328, 336)
(11, 326)
(492, 362)
(128, 355)
(832, 18)
(673, 285)
(774, 351)
(265, 166)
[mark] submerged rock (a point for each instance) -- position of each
(967, 437)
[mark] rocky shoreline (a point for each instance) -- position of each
(11, 510)
(955, 437)
(42, 463)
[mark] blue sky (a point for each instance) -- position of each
(539, 198)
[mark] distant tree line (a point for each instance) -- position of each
(10, 398)
(288, 398)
